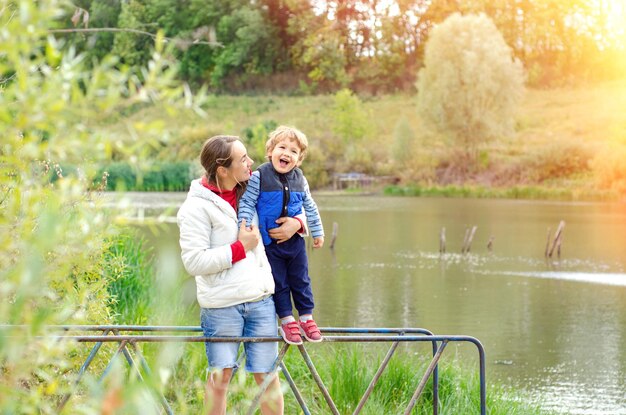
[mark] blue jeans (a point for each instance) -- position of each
(254, 319)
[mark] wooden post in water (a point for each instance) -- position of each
(442, 241)
(558, 235)
(547, 243)
(333, 238)
(467, 231)
(468, 245)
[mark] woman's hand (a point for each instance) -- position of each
(288, 228)
(249, 237)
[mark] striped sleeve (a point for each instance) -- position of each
(247, 204)
(312, 213)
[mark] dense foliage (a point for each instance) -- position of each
(53, 232)
(304, 46)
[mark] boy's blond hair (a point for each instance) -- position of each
(291, 133)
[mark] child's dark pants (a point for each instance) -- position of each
(291, 276)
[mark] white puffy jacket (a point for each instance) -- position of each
(208, 225)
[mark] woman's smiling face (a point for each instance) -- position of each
(239, 169)
(285, 155)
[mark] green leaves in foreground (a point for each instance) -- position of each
(54, 111)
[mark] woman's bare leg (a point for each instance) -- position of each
(272, 400)
(216, 391)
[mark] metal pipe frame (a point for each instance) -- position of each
(350, 334)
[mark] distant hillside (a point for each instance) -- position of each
(572, 138)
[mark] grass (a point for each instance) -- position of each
(128, 268)
(346, 370)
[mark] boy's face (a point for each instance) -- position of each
(285, 155)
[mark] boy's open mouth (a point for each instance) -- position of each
(283, 163)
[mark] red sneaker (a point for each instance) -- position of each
(310, 331)
(291, 333)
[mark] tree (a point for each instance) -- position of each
(411, 162)
(470, 86)
(55, 111)
(252, 44)
(132, 49)
(403, 143)
(352, 124)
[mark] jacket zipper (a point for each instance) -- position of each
(285, 184)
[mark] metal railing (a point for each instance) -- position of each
(128, 346)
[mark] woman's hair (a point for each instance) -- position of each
(216, 152)
(291, 133)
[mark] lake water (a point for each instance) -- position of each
(556, 329)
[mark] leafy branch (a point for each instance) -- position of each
(176, 41)
(82, 16)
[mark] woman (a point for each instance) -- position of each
(233, 277)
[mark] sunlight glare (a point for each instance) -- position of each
(616, 18)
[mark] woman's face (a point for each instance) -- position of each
(239, 169)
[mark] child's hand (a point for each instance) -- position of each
(318, 242)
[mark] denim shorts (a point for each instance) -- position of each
(254, 319)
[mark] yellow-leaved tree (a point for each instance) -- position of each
(470, 85)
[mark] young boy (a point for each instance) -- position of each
(279, 189)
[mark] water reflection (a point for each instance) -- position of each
(559, 325)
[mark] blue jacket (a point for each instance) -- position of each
(274, 195)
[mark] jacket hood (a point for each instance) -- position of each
(198, 190)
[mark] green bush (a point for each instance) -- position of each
(152, 181)
(167, 176)
(176, 176)
(121, 176)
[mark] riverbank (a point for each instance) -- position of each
(515, 192)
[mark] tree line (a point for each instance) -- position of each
(311, 46)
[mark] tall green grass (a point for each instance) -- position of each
(128, 266)
(346, 371)
(160, 176)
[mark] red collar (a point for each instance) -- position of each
(229, 196)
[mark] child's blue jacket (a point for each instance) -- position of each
(275, 195)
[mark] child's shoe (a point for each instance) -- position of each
(291, 333)
(310, 331)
